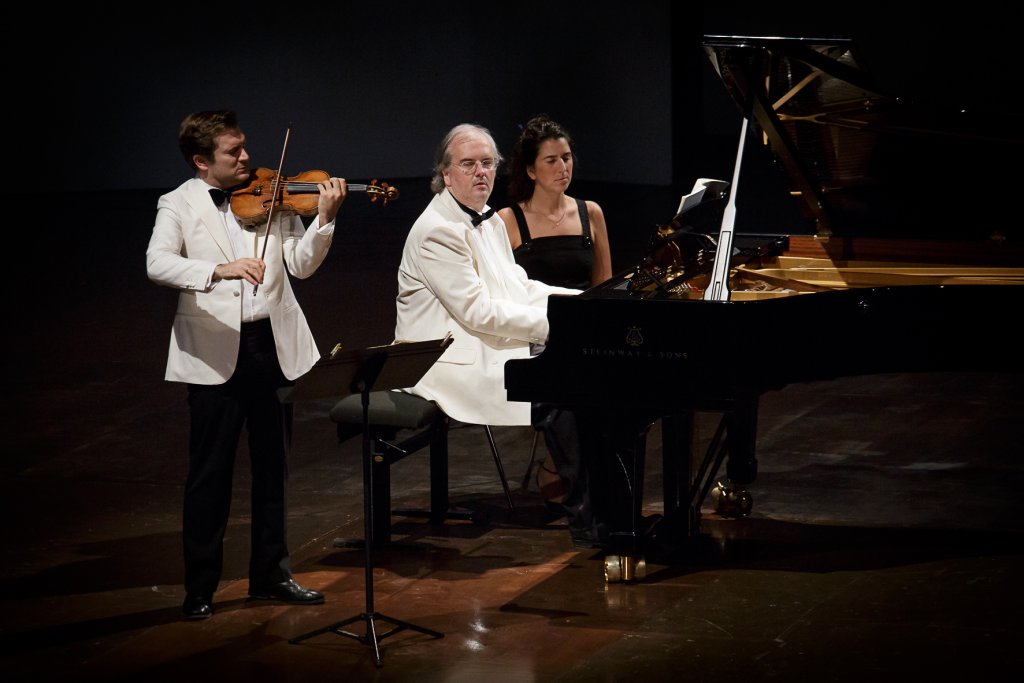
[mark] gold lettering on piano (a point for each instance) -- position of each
(634, 338)
(634, 354)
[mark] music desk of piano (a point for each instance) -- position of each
(645, 346)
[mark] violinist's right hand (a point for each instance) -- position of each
(248, 269)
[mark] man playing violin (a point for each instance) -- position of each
(238, 337)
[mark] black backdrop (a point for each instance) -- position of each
(371, 88)
(94, 100)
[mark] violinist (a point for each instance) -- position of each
(238, 336)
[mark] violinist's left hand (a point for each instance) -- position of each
(332, 193)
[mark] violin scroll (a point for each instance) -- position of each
(382, 191)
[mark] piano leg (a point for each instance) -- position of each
(686, 485)
(677, 439)
(602, 453)
(612, 449)
(733, 497)
(741, 427)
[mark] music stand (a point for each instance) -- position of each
(361, 371)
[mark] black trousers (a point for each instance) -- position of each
(561, 436)
(218, 414)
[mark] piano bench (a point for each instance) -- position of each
(422, 424)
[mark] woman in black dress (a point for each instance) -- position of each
(558, 240)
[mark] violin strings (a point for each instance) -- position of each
(312, 187)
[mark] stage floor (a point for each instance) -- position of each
(884, 543)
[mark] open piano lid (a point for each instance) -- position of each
(868, 163)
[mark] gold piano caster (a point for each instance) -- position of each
(732, 501)
(623, 568)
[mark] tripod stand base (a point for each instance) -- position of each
(384, 540)
(401, 545)
(370, 637)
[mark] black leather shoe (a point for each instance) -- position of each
(197, 607)
(591, 537)
(585, 540)
(288, 592)
(554, 510)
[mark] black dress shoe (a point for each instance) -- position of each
(288, 592)
(197, 607)
(585, 540)
(554, 510)
(590, 537)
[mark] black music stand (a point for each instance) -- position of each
(379, 368)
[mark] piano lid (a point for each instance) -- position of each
(865, 162)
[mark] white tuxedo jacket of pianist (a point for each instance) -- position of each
(462, 279)
(188, 240)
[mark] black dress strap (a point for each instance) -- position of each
(524, 230)
(584, 221)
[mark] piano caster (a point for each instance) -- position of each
(623, 568)
(732, 501)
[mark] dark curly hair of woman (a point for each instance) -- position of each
(524, 154)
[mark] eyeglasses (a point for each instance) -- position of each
(468, 166)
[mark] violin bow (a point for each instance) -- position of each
(273, 199)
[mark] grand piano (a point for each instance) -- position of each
(905, 260)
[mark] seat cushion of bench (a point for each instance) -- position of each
(395, 409)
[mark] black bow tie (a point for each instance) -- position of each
(481, 217)
(219, 196)
(475, 216)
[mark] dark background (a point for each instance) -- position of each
(95, 439)
(370, 89)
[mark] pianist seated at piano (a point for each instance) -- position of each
(458, 276)
(557, 239)
(883, 268)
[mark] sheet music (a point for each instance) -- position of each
(701, 188)
(392, 366)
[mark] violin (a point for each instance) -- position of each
(252, 201)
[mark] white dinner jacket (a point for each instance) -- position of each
(188, 240)
(464, 280)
